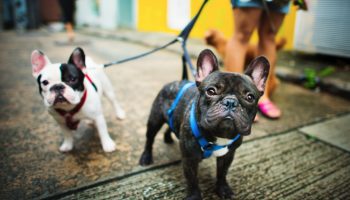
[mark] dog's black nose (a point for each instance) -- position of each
(57, 88)
(230, 103)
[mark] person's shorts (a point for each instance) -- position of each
(273, 7)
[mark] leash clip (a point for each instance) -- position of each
(180, 39)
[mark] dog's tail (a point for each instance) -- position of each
(213, 36)
(280, 43)
(209, 37)
(216, 39)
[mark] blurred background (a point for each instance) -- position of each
(323, 28)
(303, 155)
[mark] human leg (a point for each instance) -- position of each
(68, 9)
(245, 21)
(267, 47)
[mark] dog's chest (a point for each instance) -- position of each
(222, 142)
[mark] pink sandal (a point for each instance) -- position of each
(269, 109)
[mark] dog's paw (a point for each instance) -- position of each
(224, 191)
(66, 146)
(120, 114)
(109, 146)
(146, 159)
(194, 196)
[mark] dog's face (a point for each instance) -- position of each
(228, 101)
(60, 84)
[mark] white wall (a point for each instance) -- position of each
(105, 17)
(179, 12)
(108, 14)
(85, 13)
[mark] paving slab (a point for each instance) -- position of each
(32, 167)
(288, 166)
(334, 131)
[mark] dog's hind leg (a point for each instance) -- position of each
(108, 91)
(155, 122)
(167, 136)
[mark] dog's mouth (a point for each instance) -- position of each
(228, 120)
(60, 99)
(229, 116)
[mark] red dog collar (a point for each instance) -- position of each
(68, 115)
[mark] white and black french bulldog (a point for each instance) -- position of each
(209, 117)
(71, 92)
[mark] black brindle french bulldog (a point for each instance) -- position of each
(223, 106)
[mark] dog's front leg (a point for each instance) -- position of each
(222, 165)
(68, 141)
(108, 144)
(190, 167)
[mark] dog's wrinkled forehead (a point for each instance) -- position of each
(229, 82)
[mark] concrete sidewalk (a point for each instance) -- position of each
(281, 159)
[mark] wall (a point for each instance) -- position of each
(152, 16)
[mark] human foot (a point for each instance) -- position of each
(269, 109)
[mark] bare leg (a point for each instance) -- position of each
(267, 47)
(245, 20)
(70, 31)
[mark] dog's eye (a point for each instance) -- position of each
(72, 79)
(45, 82)
(250, 98)
(211, 91)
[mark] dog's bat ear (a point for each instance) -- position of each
(39, 60)
(77, 58)
(206, 64)
(258, 70)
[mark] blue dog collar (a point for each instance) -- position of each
(207, 147)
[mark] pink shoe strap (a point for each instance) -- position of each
(266, 106)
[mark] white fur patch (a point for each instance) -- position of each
(221, 142)
(220, 152)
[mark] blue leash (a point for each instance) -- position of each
(207, 147)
